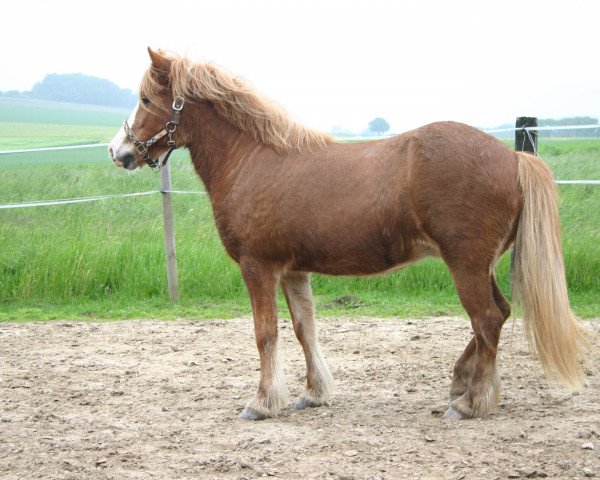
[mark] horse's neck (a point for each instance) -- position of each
(217, 147)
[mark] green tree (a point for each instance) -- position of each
(379, 125)
(79, 88)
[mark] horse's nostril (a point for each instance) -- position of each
(127, 159)
(120, 159)
(110, 152)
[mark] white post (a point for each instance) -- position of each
(165, 183)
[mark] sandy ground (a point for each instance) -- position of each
(145, 399)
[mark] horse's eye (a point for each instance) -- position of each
(145, 100)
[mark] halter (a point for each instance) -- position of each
(169, 130)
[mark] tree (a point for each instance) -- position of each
(79, 88)
(379, 125)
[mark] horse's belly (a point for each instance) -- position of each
(364, 259)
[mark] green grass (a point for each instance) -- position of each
(106, 260)
(36, 123)
(15, 136)
(43, 112)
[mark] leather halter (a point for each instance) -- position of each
(169, 130)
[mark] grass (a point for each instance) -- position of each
(43, 112)
(37, 123)
(15, 136)
(105, 259)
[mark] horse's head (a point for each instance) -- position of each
(148, 135)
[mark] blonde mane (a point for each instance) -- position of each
(236, 101)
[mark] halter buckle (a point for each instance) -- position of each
(178, 104)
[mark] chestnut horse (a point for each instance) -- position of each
(289, 200)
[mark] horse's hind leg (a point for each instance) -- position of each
(477, 292)
(463, 368)
(319, 382)
(501, 302)
(261, 281)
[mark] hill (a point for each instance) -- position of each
(78, 88)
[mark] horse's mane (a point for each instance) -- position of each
(236, 101)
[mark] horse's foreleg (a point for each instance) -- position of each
(261, 281)
(319, 381)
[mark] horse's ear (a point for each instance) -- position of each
(161, 64)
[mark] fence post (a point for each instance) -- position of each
(171, 259)
(526, 140)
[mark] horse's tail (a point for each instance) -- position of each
(538, 277)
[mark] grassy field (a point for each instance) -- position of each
(106, 259)
(42, 112)
(35, 123)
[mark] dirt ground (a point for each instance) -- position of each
(147, 399)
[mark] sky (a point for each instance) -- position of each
(334, 63)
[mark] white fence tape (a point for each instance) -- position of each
(185, 192)
(65, 201)
(48, 149)
(542, 129)
(578, 182)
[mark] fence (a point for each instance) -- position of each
(526, 139)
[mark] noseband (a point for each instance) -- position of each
(169, 130)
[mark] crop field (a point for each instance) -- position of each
(106, 259)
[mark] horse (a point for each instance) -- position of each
(289, 200)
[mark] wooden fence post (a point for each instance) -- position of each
(526, 140)
(171, 259)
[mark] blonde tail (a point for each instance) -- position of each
(538, 277)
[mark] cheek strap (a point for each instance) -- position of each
(169, 130)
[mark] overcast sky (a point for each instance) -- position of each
(334, 62)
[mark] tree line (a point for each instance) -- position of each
(559, 122)
(575, 132)
(78, 88)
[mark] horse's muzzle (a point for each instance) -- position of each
(124, 160)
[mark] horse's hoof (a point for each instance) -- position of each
(302, 402)
(452, 414)
(249, 414)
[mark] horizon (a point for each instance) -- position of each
(360, 133)
(336, 66)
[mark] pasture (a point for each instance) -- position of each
(106, 259)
